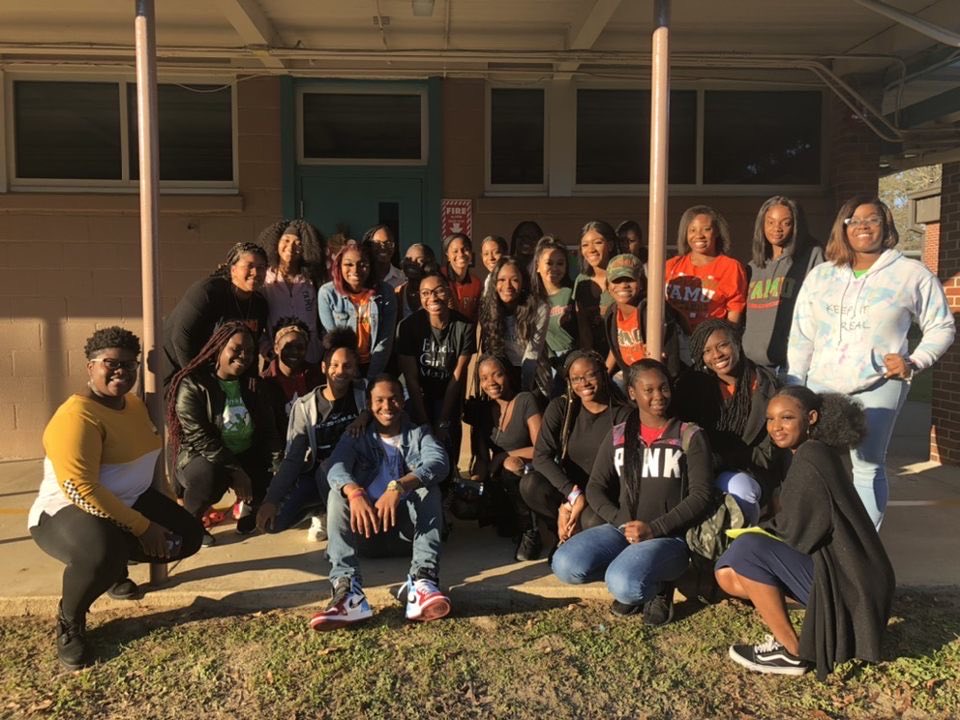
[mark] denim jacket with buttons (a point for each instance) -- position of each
(337, 310)
(358, 460)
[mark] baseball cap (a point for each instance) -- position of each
(624, 266)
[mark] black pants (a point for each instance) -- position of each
(545, 501)
(96, 551)
(205, 483)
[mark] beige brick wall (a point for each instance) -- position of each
(71, 263)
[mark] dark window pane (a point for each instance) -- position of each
(613, 137)
(761, 138)
(363, 127)
(195, 129)
(67, 130)
(516, 137)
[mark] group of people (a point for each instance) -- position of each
(330, 384)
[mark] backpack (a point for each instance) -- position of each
(709, 539)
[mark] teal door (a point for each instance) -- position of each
(360, 203)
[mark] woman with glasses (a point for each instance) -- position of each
(574, 426)
(383, 245)
(103, 499)
(434, 348)
(355, 299)
(850, 326)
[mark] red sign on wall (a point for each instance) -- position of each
(456, 216)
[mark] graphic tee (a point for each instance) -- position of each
(436, 350)
(698, 292)
(629, 337)
(238, 428)
(361, 302)
(342, 412)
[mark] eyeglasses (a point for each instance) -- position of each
(113, 364)
(437, 292)
(855, 222)
(588, 377)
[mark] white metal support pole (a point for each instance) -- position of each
(659, 162)
(146, 53)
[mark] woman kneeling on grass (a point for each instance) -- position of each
(663, 471)
(821, 550)
(103, 498)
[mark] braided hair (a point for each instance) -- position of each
(632, 452)
(572, 400)
(735, 412)
(314, 258)
(233, 257)
(206, 358)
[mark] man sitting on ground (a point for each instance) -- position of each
(384, 490)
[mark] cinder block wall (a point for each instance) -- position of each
(71, 264)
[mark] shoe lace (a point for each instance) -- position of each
(426, 586)
(769, 644)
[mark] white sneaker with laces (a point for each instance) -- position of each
(317, 532)
(348, 605)
(424, 600)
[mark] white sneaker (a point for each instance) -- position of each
(348, 605)
(317, 532)
(424, 600)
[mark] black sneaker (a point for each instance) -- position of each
(72, 649)
(530, 545)
(208, 540)
(623, 609)
(126, 589)
(659, 610)
(247, 524)
(768, 657)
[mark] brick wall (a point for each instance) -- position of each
(854, 154)
(945, 409)
(72, 264)
(931, 247)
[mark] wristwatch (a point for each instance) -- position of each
(395, 486)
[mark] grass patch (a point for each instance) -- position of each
(572, 662)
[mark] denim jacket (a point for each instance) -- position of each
(358, 460)
(337, 310)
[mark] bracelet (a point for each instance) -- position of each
(574, 494)
(356, 493)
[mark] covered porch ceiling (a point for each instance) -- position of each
(902, 74)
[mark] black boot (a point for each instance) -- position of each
(530, 543)
(72, 648)
(125, 589)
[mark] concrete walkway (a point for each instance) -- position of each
(286, 570)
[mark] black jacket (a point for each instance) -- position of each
(697, 398)
(200, 404)
(853, 580)
(671, 336)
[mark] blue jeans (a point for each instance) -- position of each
(419, 519)
(634, 574)
(308, 496)
(881, 405)
(744, 489)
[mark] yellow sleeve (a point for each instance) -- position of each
(73, 441)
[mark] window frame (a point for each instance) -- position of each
(125, 184)
(514, 189)
(341, 88)
(566, 103)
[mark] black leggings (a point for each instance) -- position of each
(95, 550)
(545, 501)
(205, 483)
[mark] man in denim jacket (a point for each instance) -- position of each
(384, 484)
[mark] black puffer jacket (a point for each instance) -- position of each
(200, 404)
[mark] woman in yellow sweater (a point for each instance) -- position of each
(102, 499)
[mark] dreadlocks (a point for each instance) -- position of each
(572, 400)
(314, 257)
(233, 257)
(206, 357)
(735, 412)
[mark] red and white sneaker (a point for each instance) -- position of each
(424, 600)
(349, 605)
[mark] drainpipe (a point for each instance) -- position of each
(659, 135)
(146, 55)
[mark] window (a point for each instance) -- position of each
(761, 138)
(516, 136)
(78, 133)
(363, 127)
(613, 137)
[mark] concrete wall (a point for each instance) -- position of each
(71, 264)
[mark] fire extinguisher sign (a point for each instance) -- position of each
(456, 216)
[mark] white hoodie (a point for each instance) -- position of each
(843, 325)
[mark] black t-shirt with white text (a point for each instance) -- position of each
(436, 350)
(343, 412)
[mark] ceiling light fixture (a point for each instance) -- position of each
(423, 8)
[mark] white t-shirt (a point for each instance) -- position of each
(390, 469)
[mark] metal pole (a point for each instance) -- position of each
(659, 156)
(146, 52)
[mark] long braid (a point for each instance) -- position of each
(735, 412)
(233, 255)
(572, 399)
(208, 355)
